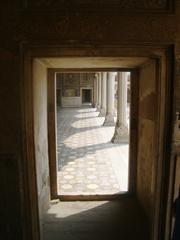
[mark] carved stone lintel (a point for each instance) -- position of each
(121, 134)
(109, 120)
(102, 112)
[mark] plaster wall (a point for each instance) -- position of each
(147, 144)
(41, 136)
(71, 101)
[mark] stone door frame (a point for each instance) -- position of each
(162, 54)
(52, 135)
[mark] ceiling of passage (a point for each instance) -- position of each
(93, 62)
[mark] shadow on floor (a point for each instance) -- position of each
(123, 220)
(68, 154)
(72, 116)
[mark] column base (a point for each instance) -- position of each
(98, 108)
(121, 135)
(93, 105)
(109, 120)
(102, 112)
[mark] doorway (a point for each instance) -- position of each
(160, 121)
(91, 162)
(86, 96)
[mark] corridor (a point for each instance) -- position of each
(88, 162)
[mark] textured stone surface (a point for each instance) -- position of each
(88, 162)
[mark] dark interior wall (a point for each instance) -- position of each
(41, 136)
(10, 104)
(10, 146)
(146, 160)
(130, 24)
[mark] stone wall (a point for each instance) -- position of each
(74, 81)
(147, 135)
(70, 85)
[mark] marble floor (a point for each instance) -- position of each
(88, 163)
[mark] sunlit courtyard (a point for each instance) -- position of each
(88, 162)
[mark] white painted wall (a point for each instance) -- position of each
(71, 101)
(41, 136)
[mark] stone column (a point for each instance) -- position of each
(121, 134)
(94, 92)
(103, 94)
(99, 92)
(109, 118)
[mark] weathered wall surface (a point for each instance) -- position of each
(54, 23)
(41, 136)
(147, 144)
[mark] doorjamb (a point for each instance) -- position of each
(30, 52)
(133, 143)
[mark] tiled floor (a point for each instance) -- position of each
(88, 163)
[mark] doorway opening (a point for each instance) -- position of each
(92, 150)
(144, 155)
(86, 96)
